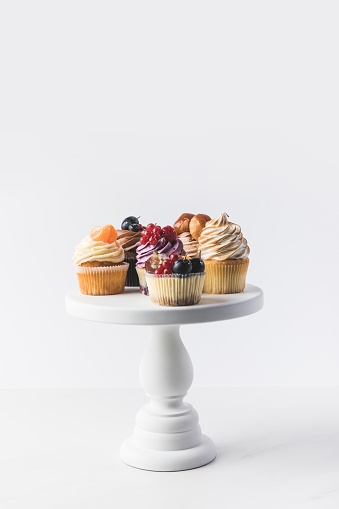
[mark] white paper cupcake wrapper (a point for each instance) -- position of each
(175, 289)
(226, 277)
(142, 280)
(102, 280)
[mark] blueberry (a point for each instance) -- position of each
(134, 228)
(182, 266)
(129, 220)
(197, 265)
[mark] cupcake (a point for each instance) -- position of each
(163, 241)
(128, 237)
(225, 253)
(99, 263)
(188, 228)
(175, 281)
(190, 244)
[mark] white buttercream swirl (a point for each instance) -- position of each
(222, 240)
(90, 250)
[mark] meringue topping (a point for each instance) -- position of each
(222, 240)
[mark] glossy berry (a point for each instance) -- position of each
(169, 233)
(129, 220)
(182, 266)
(141, 227)
(153, 240)
(157, 229)
(134, 227)
(145, 233)
(167, 271)
(159, 271)
(168, 263)
(174, 257)
(197, 265)
(150, 227)
(143, 240)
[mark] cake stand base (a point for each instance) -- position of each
(167, 435)
(168, 461)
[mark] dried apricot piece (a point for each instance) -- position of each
(105, 233)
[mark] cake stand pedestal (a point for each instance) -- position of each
(167, 435)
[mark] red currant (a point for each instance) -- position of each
(145, 233)
(167, 263)
(143, 240)
(150, 227)
(141, 227)
(157, 229)
(174, 257)
(169, 233)
(159, 271)
(167, 271)
(153, 240)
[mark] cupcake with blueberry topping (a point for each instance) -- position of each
(163, 241)
(225, 252)
(99, 262)
(175, 281)
(128, 237)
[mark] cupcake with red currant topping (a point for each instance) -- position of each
(99, 262)
(175, 281)
(128, 237)
(163, 241)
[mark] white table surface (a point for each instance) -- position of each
(277, 449)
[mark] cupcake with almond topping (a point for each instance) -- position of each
(128, 237)
(163, 241)
(190, 244)
(188, 228)
(225, 252)
(99, 263)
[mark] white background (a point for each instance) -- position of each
(150, 108)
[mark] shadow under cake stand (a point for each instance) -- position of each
(167, 435)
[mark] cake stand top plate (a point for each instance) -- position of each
(133, 308)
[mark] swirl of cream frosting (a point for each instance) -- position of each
(190, 244)
(90, 250)
(128, 240)
(222, 240)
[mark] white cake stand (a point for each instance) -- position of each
(167, 435)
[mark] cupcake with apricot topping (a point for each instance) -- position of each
(99, 262)
(128, 238)
(225, 252)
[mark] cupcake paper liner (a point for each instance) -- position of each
(102, 280)
(132, 278)
(228, 276)
(175, 289)
(142, 280)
